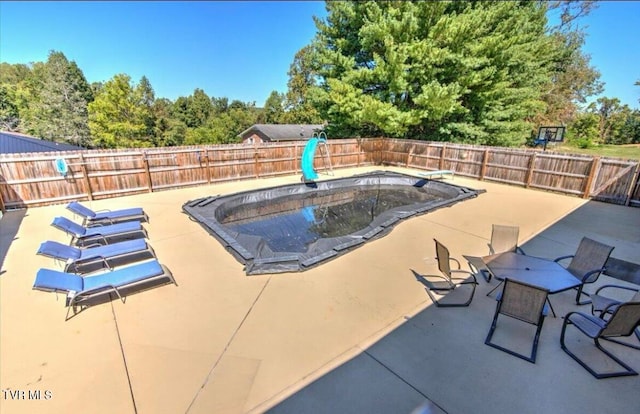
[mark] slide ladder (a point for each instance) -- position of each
(308, 155)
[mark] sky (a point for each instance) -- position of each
(239, 49)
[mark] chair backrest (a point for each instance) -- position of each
(591, 255)
(80, 210)
(624, 320)
(443, 257)
(504, 238)
(523, 301)
(68, 226)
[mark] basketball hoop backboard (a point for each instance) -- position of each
(547, 134)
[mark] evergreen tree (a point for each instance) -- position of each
(59, 95)
(466, 71)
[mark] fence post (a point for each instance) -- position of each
(441, 162)
(147, 171)
(2, 208)
(85, 174)
(206, 165)
(532, 163)
(592, 174)
(635, 179)
(485, 160)
(410, 154)
(256, 167)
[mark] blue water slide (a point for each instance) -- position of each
(307, 159)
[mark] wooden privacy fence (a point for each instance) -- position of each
(32, 179)
(604, 179)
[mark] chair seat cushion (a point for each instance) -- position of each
(590, 325)
(47, 279)
(59, 251)
(600, 303)
(116, 214)
(123, 276)
(113, 250)
(126, 227)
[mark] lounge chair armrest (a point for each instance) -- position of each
(616, 287)
(87, 293)
(591, 273)
(563, 258)
(102, 259)
(473, 276)
(91, 245)
(453, 259)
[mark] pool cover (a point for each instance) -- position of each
(294, 227)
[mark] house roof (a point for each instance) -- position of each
(282, 132)
(15, 143)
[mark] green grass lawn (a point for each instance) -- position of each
(614, 151)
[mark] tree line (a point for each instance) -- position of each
(466, 71)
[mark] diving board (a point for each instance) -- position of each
(440, 173)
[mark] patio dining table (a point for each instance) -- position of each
(535, 271)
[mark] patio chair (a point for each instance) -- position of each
(448, 282)
(504, 239)
(102, 234)
(526, 303)
(587, 264)
(604, 306)
(623, 321)
(81, 291)
(78, 260)
(92, 218)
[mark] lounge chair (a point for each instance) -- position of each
(448, 282)
(523, 302)
(91, 218)
(101, 234)
(604, 306)
(102, 256)
(587, 264)
(81, 291)
(623, 321)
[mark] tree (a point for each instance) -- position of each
(9, 115)
(274, 108)
(59, 95)
(573, 80)
(194, 110)
(302, 77)
(119, 115)
(465, 71)
(610, 114)
(583, 131)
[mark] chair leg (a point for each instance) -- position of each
(579, 294)
(637, 334)
(493, 290)
(454, 305)
(628, 371)
(534, 348)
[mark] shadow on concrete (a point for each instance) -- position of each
(438, 356)
(9, 225)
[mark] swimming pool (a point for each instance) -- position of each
(294, 227)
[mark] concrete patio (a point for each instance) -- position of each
(357, 334)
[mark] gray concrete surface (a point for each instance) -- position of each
(357, 334)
